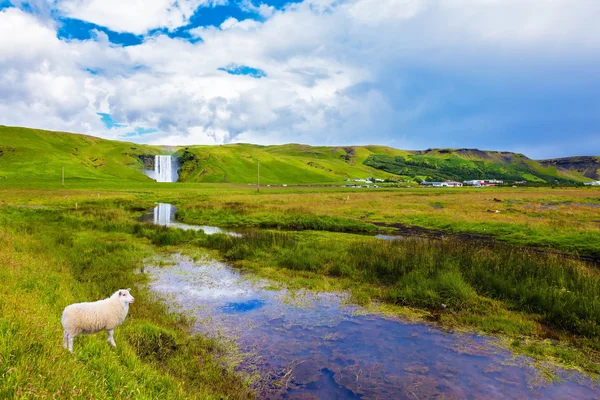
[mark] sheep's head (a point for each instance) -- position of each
(124, 296)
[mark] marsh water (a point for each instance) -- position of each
(312, 345)
(164, 215)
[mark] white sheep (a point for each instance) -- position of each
(101, 315)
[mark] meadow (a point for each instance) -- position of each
(82, 242)
(556, 219)
(51, 258)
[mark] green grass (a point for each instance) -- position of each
(286, 164)
(243, 215)
(51, 258)
(81, 242)
(493, 289)
(553, 237)
(59, 254)
(30, 154)
(427, 274)
(444, 167)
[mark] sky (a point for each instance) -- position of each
(510, 75)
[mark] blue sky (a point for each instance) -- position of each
(497, 74)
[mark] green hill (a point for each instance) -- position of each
(290, 163)
(32, 154)
(37, 154)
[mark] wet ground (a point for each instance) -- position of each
(312, 346)
(164, 215)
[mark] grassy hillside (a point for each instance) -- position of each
(38, 154)
(34, 155)
(466, 164)
(588, 166)
(290, 163)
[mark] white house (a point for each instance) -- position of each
(474, 182)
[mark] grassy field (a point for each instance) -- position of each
(65, 245)
(562, 219)
(52, 257)
(81, 242)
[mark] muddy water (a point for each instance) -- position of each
(312, 346)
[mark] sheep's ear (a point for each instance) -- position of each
(120, 292)
(129, 289)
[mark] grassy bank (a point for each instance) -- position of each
(238, 214)
(566, 220)
(51, 258)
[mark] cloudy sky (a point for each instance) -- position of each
(518, 75)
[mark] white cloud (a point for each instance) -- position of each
(334, 70)
(135, 16)
(375, 11)
(263, 10)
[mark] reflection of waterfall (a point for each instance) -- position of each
(163, 214)
(164, 169)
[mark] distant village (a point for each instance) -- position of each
(474, 183)
(372, 183)
(367, 181)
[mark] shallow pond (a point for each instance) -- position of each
(164, 215)
(308, 345)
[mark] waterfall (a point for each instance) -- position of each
(165, 169)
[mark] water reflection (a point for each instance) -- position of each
(388, 237)
(315, 347)
(164, 215)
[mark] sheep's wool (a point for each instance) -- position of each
(92, 317)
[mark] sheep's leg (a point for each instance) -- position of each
(111, 339)
(70, 340)
(65, 339)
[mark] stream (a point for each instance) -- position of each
(308, 345)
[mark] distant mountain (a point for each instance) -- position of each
(37, 155)
(588, 166)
